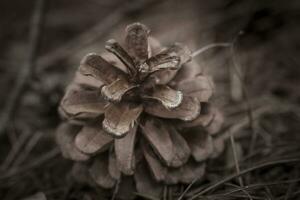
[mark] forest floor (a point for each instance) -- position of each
(257, 87)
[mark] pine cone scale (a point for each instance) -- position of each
(158, 136)
(95, 66)
(92, 139)
(124, 150)
(99, 172)
(137, 41)
(188, 109)
(201, 87)
(119, 118)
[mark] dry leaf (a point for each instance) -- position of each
(229, 154)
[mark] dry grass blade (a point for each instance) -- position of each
(21, 140)
(229, 178)
(248, 187)
(235, 128)
(25, 72)
(37, 162)
(235, 157)
(187, 189)
(28, 148)
(210, 46)
(243, 190)
(244, 92)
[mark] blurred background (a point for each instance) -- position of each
(257, 81)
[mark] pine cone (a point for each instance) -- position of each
(140, 114)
